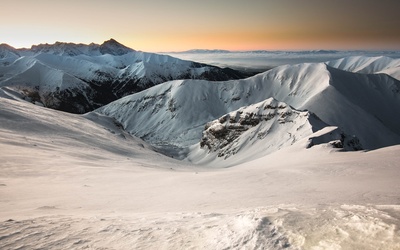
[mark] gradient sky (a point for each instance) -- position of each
(177, 25)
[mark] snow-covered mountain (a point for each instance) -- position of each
(369, 65)
(8, 53)
(78, 78)
(241, 133)
(83, 181)
(366, 106)
(92, 135)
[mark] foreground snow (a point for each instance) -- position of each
(278, 227)
(70, 182)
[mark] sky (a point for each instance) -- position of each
(178, 25)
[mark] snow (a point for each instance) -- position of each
(109, 57)
(55, 72)
(87, 67)
(251, 131)
(198, 102)
(264, 60)
(72, 181)
(368, 65)
(88, 181)
(176, 112)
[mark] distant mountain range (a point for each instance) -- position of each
(304, 52)
(257, 61)
(79, 78)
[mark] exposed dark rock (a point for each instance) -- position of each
(337, 139)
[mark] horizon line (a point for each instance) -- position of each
(221, 50)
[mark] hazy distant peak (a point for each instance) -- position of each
(6, 46)
(72, 49)
(59, 48)
(206, 51)
(210, 51)
(7, 51)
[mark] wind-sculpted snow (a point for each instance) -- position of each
(79, 78)
(362, 105)
(275, 228)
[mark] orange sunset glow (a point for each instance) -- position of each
(178, 25)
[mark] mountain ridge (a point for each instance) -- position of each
(94, 74)
(177, 112)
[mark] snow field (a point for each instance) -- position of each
(85, 181)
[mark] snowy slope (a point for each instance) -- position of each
(79, 78)
(176, 112)
(261, 129)
(66, 136)
(368, 65)
(80, 182)
(7, 54)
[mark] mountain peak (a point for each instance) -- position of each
(59, 48)
(6, 51)
(112, 41)
(6, 46)
(113, 47)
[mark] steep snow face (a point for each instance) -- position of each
(359, 104)
(368, 65)
(177, 112)
(97, 74)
